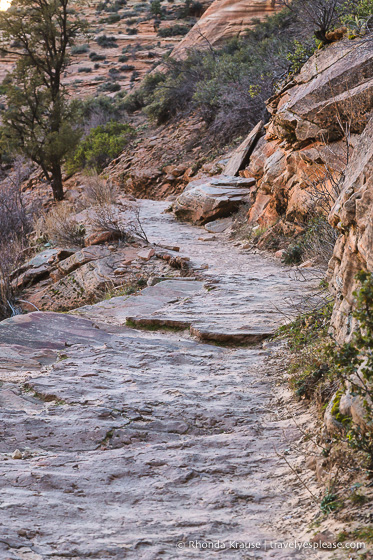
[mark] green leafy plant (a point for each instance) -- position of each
(293, 254)
(102, 144)
(357, 17)
(301, 53)
(329, 502)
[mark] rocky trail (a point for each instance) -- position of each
(137, 441)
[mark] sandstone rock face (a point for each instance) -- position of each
(336, 82)
(303, 145)
(353, 216)
(206, 200)
(221, 21)
(147, 172)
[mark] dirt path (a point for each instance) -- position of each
(132, 441)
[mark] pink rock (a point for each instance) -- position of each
(306, 264)
(279, 254)
(98, 238)
(146, 254)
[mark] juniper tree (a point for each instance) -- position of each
(38, 121)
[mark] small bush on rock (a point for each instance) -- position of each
(300, 54)
(173, 31)
(107, 42)
(109, 87)
(79, 49)
(96, 57)
(123, 222)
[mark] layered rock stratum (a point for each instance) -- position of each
(223, 20)
(304, 142)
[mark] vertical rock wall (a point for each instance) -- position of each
(352, 215)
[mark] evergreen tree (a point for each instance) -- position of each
(38, 120)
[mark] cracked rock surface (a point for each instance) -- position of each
(130, 440)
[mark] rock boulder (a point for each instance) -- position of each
(207, 199)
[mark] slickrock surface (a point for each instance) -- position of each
(221, 21)
(130, 441)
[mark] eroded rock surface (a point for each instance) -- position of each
(304, 144)
(120, 443)
(352, 215)
(207, 199)
(221, 21)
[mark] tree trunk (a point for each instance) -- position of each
(57, 187)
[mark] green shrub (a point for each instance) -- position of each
(133, 102)
(114, 18)
(357, 16)
(110, 87)
(93, 105)
(300, 54)
(103, 143)
(79, 49)
(107, 42)
(360, 9)
(329, 502)
(86, 69)
(293, 254)
(227, 86)
(123, 58)
(156, 8)
(131, 31)
(173, 31)
(96, 57)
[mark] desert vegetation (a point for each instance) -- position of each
(38, 121)
(322, 371)
(228, 86)
(16, 223)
